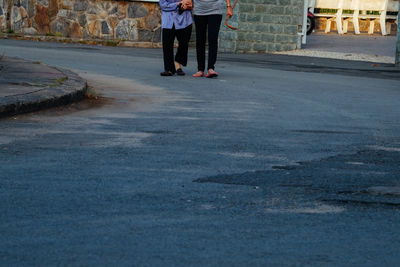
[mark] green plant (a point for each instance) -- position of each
(91, 93)
(59, 81)
(110, 43)
(55, 82)
(57, 34)
(11, 31)
(325, 10)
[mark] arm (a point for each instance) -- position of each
(229, 9)
(168, 6)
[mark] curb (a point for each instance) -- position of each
(112, 42)
(316, 65)
(72, 90)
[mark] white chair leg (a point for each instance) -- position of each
(339, 25)
(328, 26)
(345, 25)
(356, 28)
(356, 25)
(382, 22)
(388, 28)
(371, 27)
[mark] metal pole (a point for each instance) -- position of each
(304, 29)
(398, 40)
(311, 4)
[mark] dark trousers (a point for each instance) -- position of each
(207, 24)
(168, 38)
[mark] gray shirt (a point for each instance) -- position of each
(208, 7)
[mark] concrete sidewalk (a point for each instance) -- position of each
(369, 48)
(30, 86)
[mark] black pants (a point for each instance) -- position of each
(207, 24)
(168, 38)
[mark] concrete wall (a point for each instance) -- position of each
(263, 26)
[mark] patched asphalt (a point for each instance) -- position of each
(309, 181)
(260, 167)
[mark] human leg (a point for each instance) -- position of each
(183, 36)
(214, 24)
(168, 36)
(201, 33)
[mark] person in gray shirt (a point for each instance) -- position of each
(207, 18)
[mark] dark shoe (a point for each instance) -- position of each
(180, 72)
(167, 73)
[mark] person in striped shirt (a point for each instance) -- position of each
(176, 22)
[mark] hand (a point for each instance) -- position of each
(229, 12)
(187, 4)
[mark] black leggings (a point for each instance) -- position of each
(207, 24)
(168, 38)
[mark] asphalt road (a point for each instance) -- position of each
(264, 166)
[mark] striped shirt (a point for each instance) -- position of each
(170, 16)
(208, 7)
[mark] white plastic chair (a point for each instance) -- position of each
(337, 17)
(380, 6)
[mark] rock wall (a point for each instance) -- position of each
(263, 26)
(84, 19)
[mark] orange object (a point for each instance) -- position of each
(227, 19)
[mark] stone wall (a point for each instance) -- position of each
(263, 26)
(84, 19)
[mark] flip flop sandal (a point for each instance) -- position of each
(198, 74)
(212, 74)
